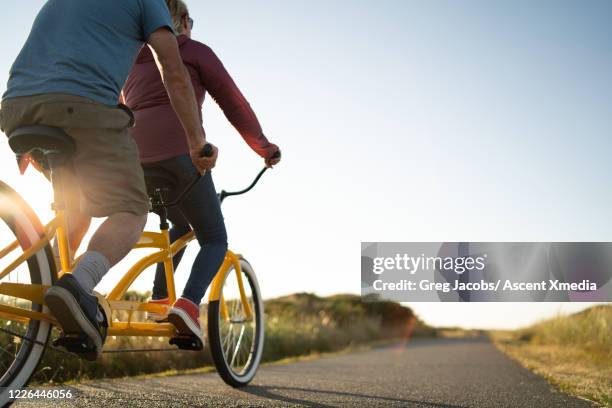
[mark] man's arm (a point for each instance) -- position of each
(180, 90)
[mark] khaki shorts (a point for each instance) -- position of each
(104, 176)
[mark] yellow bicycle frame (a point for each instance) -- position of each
(113, 301)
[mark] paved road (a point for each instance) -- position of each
(425, 373)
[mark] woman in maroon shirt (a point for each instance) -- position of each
(163, 144)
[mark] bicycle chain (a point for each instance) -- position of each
(12, 333)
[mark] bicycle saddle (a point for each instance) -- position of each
(40, 141)
(158, 178)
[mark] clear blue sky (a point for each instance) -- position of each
(401, 121)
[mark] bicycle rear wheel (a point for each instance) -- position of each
(22, 341)
(236, 341)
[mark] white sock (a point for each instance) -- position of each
(90, 270)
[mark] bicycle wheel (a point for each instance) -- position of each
(22, 341)
(236, 341)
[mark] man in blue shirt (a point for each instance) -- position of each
(69, 74)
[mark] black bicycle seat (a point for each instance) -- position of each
(158, 178)
(40, 141)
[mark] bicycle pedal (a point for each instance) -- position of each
(75, 343)
(187, 343)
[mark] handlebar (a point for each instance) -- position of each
(223, 194)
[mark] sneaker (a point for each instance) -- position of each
(185, 316)
(78, 313)
(158, 317)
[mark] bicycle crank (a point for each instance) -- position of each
(75, 343)
(187, 343)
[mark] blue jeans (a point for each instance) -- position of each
(200, 210)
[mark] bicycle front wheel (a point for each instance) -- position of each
(22, 340)
(235, 330)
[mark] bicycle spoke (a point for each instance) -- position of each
(224, 346)
(240, 360)
(245, 351)
(236, 348)
(226, 341)
(230, 336)
(230, 332)
(234, 341)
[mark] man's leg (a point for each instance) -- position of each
(117, 236)
(109, 245)
(111, 185)
(71, 300)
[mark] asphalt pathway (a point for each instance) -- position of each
(427, 373)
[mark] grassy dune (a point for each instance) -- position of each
(572, 352)
(296, 325)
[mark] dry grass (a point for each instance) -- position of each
(572, 352)
(296, 326)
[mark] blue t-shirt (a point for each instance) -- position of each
(85, 47)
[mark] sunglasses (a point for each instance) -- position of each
(190, 21)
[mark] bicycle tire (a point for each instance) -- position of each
(215, 335)
(17, 215)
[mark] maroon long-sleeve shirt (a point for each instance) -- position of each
(158, 131)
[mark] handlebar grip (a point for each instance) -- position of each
(207, 150)
(276, 155)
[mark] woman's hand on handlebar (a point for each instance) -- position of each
(200, 161)
(273, 160)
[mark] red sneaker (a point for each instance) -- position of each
(185, 316)
(158, 317)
